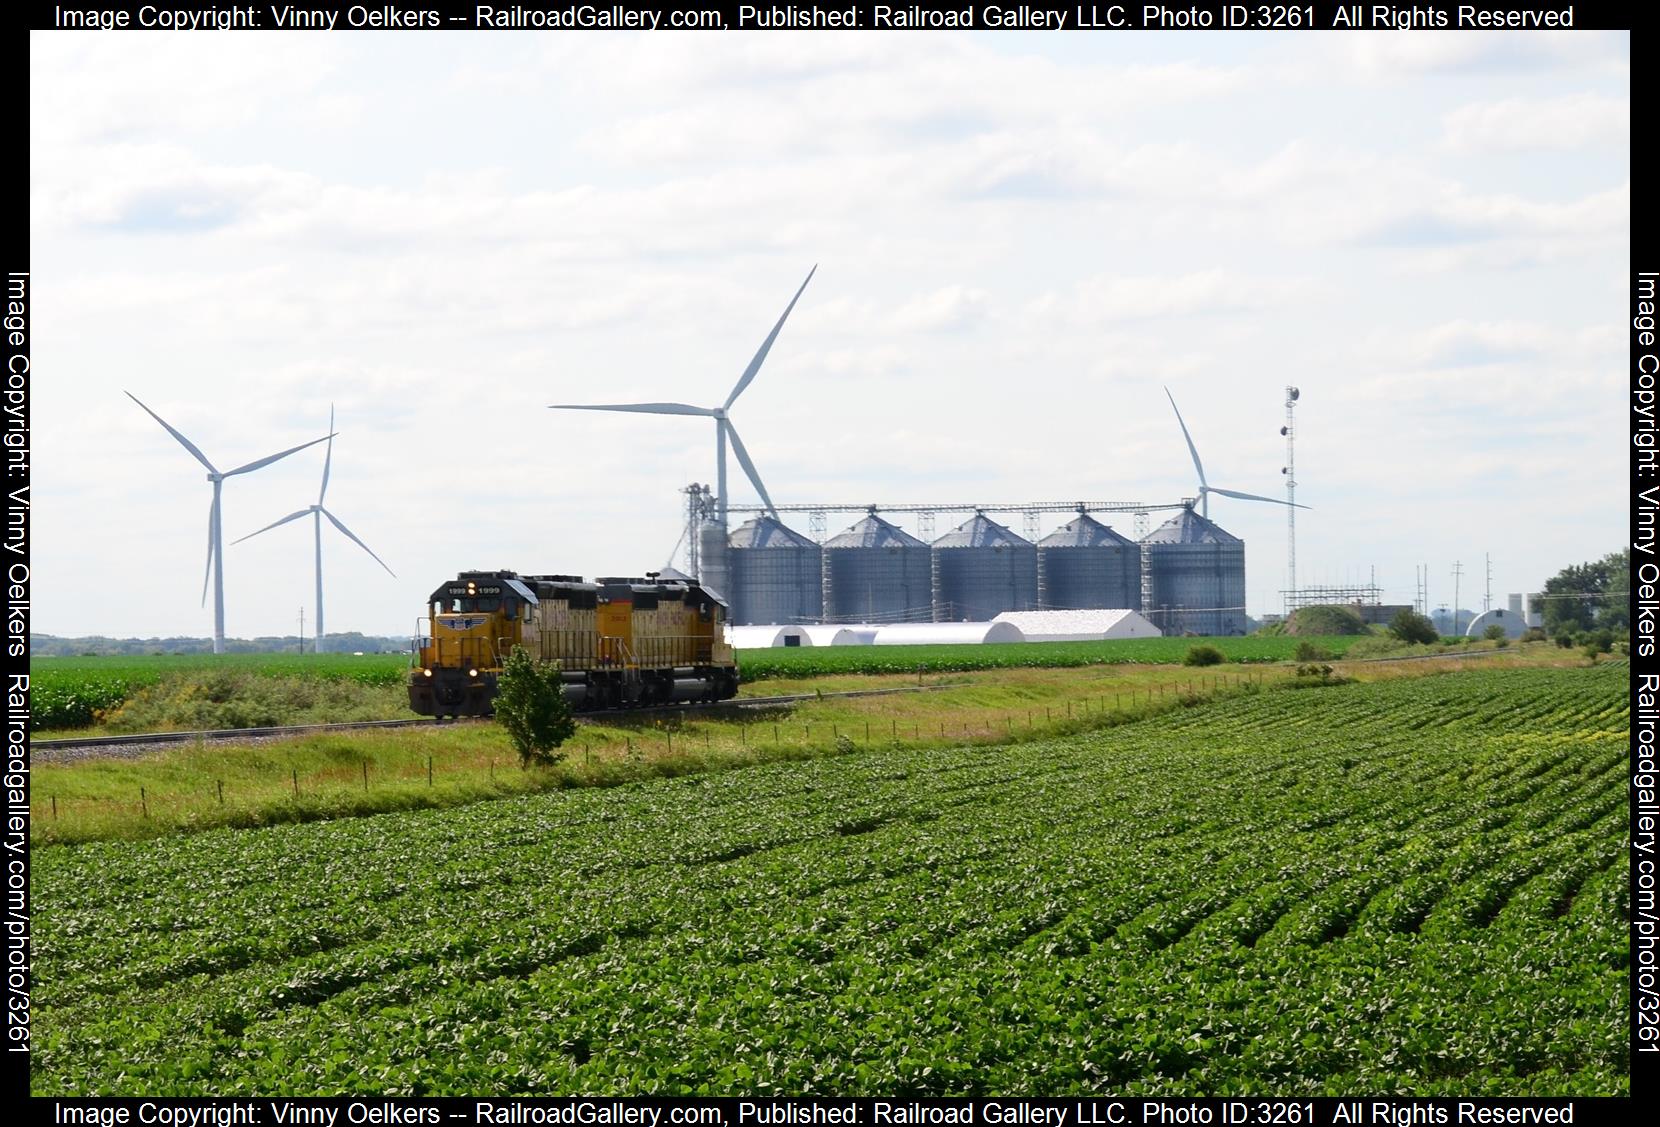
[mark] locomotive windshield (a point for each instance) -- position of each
(473, 604)
(472, 597)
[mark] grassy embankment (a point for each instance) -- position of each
(204, 785)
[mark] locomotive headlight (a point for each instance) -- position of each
(427, 672)
(472, 673)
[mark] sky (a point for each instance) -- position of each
(1021, 240)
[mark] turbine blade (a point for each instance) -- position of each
(327, 458)
(353, 536)
(207, 574)
(1190, 447)
(1253, 497)
(183, 441)
(276, 457)
(641, 408)
(749, 466)
(273, 524)
(766, 345)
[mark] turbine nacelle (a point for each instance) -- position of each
(317, 511)
(724, 430)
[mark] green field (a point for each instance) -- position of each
(1415, 885)
(814, 661)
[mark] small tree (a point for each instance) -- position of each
(1410, 626)
(1494, 633)
(530, 704)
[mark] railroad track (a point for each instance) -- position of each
(151, 739)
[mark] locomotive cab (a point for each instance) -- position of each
(473, 624)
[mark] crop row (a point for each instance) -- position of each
(1213, 904)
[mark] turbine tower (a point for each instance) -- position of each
(317, 514)
(1206, 489)
(216, 548)
(724, 430)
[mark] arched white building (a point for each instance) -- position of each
(947, 633)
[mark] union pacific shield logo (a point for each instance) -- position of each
(461, 623)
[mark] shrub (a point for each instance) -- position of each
(1533, 634)
(531, 706)
(1494, 633)
(1203, 655)
(1410, 626)
(1308, 651)
(1603, 640)
(1566, 640)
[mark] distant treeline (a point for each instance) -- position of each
(48, 645)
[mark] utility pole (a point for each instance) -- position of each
(1487, 595)
(1457, 573)
(302, 630)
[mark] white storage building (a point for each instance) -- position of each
(1078, 625)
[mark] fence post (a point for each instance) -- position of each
(295, 771)
(366, 773)
(54, 807)
(429, 770)
(221, 785)
(143, 802)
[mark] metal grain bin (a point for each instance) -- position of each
(982, 569)
(1198, 577)
(877, 572)
(1084, 565)
(774, 574)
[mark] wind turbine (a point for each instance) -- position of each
(724, 429)
(317, 514)
(1205, 490)
(216, 548)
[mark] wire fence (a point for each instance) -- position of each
(585, 752)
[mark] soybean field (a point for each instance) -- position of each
(1413, 886)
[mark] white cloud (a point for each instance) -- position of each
(1571, 122)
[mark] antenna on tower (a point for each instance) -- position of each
(1290, 472)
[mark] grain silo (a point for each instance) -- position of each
(774, 574)
(1084, 565)
(980, 569)
(1198, 577)
(877, 572)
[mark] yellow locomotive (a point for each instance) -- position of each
(618, 642)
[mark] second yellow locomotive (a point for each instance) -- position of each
(618, 642)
